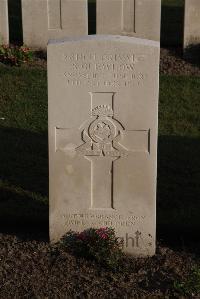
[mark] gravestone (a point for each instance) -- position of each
(139, 18)
(4, 28)
(103, 117)
(192, 23)
(48, 19)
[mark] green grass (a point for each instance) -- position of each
(178, 154)
(189, 287)
(179, 106)
(24, 149)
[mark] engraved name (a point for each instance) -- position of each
(104, 70)
(130, 57)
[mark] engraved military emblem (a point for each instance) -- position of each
(102, 140)
(101, 135)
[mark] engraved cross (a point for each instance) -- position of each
(104, 141)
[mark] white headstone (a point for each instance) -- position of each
(103, 119)
(192, 23)
(4, 27)
(139, 18)
(47, 19)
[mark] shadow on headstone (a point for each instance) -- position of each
(15, 22)
(172, 20)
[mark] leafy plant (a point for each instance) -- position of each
(100, 245)
(190, 287)
(15, 55)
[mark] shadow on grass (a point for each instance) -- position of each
(23, 180)
(24, 187)
(189, 55)
(192, 54)
(24, 159)
(178, 195)
(172, 20)
(23, 215)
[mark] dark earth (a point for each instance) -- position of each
(30, 268)
(173, 62)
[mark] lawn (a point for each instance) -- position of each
(24, 150)
(178, 157)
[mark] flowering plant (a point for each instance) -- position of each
(99, 244)
(14, 55)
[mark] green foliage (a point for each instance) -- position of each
(179, 109)
(178, 154)
(100, 245)
(14, 55)
(24, 146)
(190, 287)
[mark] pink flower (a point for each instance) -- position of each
(25, 50)
(81, 236)
(102, 232)
(102, 229)
(104, 236)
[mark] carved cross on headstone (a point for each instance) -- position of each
(129, 16)
(104, 141)
(54, 14)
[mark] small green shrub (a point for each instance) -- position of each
(100, 245)
(15, 55)
(190, 287)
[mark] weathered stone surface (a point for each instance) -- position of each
(139, 18)
(103, 114)
(192, 23)
(4, 28)
(48, 19)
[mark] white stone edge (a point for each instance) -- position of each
(101, 37)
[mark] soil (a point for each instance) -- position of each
(173, 62)
(30, 268)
